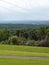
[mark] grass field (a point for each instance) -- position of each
(25, 48)
(4, 61)
(23, 51)
(20, 53)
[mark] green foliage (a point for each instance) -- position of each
(4, 34)
(30, 42)
(29, 37)
(13, 40)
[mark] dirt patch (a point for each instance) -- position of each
(25, 57)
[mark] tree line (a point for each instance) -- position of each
(30, 37)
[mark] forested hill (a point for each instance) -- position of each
(19, 26)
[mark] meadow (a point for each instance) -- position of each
(27, 51)
(4, 61)
(24, 50)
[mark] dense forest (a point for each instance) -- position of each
(24, 34)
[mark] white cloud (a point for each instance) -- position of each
(25, 9)
(24, 4)
(40, 3)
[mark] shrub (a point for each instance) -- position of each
(30, 42)
(3, 42)
(13, 40)
(43, 43)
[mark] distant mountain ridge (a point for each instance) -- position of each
(41, 22)
(25, 22)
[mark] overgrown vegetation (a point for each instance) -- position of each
(29, 37)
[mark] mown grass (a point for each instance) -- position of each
(4, 61)
(20, 53)
(23, 51)
(25, 48)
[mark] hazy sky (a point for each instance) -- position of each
(24, 9)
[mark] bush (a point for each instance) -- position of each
(22, 41)
(43, 43)
(30, 42)
(3, 42)
(13, 40)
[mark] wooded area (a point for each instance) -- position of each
(21, 34)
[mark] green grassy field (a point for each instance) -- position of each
(20, 53)
(4, 61)
(24, 50)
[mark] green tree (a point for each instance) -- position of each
(13, 40)
(4, 34)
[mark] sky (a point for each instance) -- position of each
(24, 10)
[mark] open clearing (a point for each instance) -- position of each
(5, 61)
(24, 51)
(25, 48)
(23, 55)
